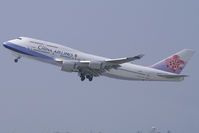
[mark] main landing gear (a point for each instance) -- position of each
(89, 77)
(83, 77)
(17, 59)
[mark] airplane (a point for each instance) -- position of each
(89, 66)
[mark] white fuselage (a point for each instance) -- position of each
(48, 52)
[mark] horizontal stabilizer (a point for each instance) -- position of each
(172, 76)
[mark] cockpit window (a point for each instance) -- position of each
(19, 38)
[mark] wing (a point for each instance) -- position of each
(94, 68)
(124, 60)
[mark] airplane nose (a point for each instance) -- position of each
(4, 44)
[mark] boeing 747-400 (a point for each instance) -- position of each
(89, 66)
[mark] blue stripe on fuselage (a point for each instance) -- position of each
(25, 51)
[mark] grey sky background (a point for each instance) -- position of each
(39, 98)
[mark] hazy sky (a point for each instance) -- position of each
(39, 98)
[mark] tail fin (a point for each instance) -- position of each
(176, 62)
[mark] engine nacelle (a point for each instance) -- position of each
(72, 66)
(96, 65)
(69, 66)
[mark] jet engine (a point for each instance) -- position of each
(72, 66)
(69, 66)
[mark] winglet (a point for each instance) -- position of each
(139, 56)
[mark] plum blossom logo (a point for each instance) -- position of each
(174, 63)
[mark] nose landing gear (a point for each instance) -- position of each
(17, 59)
